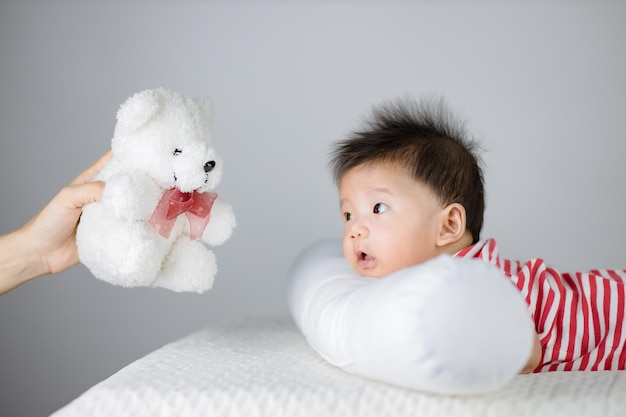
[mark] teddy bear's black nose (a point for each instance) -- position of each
(208, 167)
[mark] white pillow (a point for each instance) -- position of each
(449, 325)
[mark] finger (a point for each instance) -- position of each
(88, 174)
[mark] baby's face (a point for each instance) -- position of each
(391, 221)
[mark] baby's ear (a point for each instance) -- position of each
(135, 112)
(453, 223)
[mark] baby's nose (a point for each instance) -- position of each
(208, 167)
(358, 230)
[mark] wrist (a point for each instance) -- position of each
(19, 262)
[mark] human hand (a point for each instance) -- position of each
(53, 231)
(47, 243)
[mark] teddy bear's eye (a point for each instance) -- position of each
(177, 151)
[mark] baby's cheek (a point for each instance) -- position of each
(404, 260)
(348, 251)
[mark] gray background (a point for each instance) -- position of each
(542, 84)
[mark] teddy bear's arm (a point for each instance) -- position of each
(221, 225)
(131, 195)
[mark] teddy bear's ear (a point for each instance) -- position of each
(205, 110)
(137, 111)
(206, 107)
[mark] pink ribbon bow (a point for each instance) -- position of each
(196, 206)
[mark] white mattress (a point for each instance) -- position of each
(262, 367)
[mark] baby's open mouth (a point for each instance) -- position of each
(364, 260)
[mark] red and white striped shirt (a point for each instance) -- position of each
(579, 317)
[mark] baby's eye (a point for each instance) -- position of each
(347, 216)
(380, 208)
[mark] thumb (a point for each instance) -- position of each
(78, 195)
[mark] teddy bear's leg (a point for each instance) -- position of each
(120, 252)
(189, 266)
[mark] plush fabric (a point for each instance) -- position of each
(157, 212)
(449, 325)
(265, 368)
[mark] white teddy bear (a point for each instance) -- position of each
(156, 207)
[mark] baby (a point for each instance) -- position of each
(411, 188)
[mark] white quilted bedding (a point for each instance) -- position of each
(262, 367)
